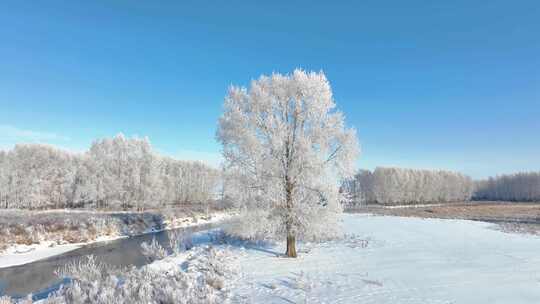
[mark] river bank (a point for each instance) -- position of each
(100, 227)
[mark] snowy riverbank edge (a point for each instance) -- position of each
(24, 254)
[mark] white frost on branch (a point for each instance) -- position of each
(288, 148)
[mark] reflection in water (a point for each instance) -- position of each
(39, 277)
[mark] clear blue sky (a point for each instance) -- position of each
(428, 84)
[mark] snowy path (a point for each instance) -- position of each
(407, 260)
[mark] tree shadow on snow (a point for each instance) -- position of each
(220, 237)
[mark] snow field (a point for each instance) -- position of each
(407, 260)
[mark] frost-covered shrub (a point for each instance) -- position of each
(212, 265)
(203, 281)
(83, 291)
(153, 251)
(87, 269)
(179, 241)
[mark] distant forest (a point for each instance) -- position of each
(392, 186)
(115, 173)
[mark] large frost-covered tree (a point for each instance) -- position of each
(285, 138)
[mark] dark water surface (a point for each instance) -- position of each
(39, 277)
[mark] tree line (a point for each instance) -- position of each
(115, 173)
(392, 186)
(523, 186)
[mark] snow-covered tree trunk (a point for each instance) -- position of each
(291, 237)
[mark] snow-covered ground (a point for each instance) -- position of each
(24, 254)
(406, 260)
(383, 259)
